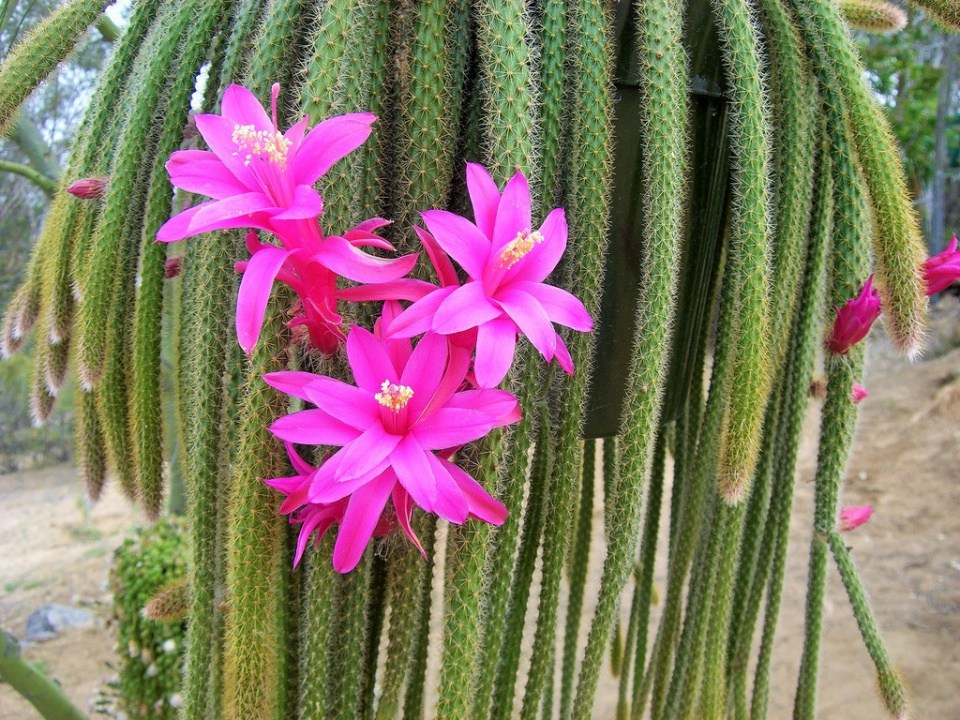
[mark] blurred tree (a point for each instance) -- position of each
(914, 74)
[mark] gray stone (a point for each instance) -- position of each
(49, 621)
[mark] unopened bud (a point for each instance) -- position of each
(88, 188)
(172, 267)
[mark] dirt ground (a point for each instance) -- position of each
(56, 548)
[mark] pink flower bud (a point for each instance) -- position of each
(853, 516)
(941, 271)
(88, 188)
(172, 267)
(854, 319)
(857, 393)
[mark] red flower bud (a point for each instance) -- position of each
(854, 319)
(89, 188)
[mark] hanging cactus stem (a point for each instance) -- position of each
(422, 264)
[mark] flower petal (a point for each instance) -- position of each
(369, 360)
(409, 289)
(362, 515)
(481, 504)
(468, 306)
(448, 427)
(460, 239)
(218, 133)
(424, 370)
(306, 204)
(446, 273)
(202, 172)
(562, 307)
(412, 465)
(513, 213)
(403, 508)
(537, 264)
(345, 259)
(313, 427)
(418, 318)
(241, 106)
(328, 142)
(484, 196)
(254, 293)
(533, 321)
(366, 452)
(232, 212)
(496, 344)
(451, 505)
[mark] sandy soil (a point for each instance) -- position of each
(54, 548)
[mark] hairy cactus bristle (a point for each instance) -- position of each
(873, 15)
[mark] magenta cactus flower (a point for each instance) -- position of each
(398, 425)
(943, 269)
(256, 174)
(854, 319)
(318, 518)
(506, 261)
(857, 393)
(853, 516)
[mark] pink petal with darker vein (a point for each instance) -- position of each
(562, 307)
(366, 452)
(418, 318)
(481, 504)
(240, 106)
(369, 360)
(451, 505)
(202, 172)
(352, 263)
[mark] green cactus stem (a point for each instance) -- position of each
(943, 11)
(663, 72)
(40, 691)
(39, 52)
(891, 684)
(874, 16)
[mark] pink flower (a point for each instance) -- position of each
(853, 516)
(315, 517)
(262, 178)
(255, 174)
(854, 319)
(301, 266)
(942, 270)
(506, 261)
(396, 426)
(90, 188)
(857, 393)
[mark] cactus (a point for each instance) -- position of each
(39, 53)
(873, 16)
(516, 86)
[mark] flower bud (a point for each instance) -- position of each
(853, 516)
(854, 319)
(857, 393)
(90, 188)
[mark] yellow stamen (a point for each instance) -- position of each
(394, 397)
(269, 143)
(514, 250)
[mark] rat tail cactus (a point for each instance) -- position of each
(436, 278)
